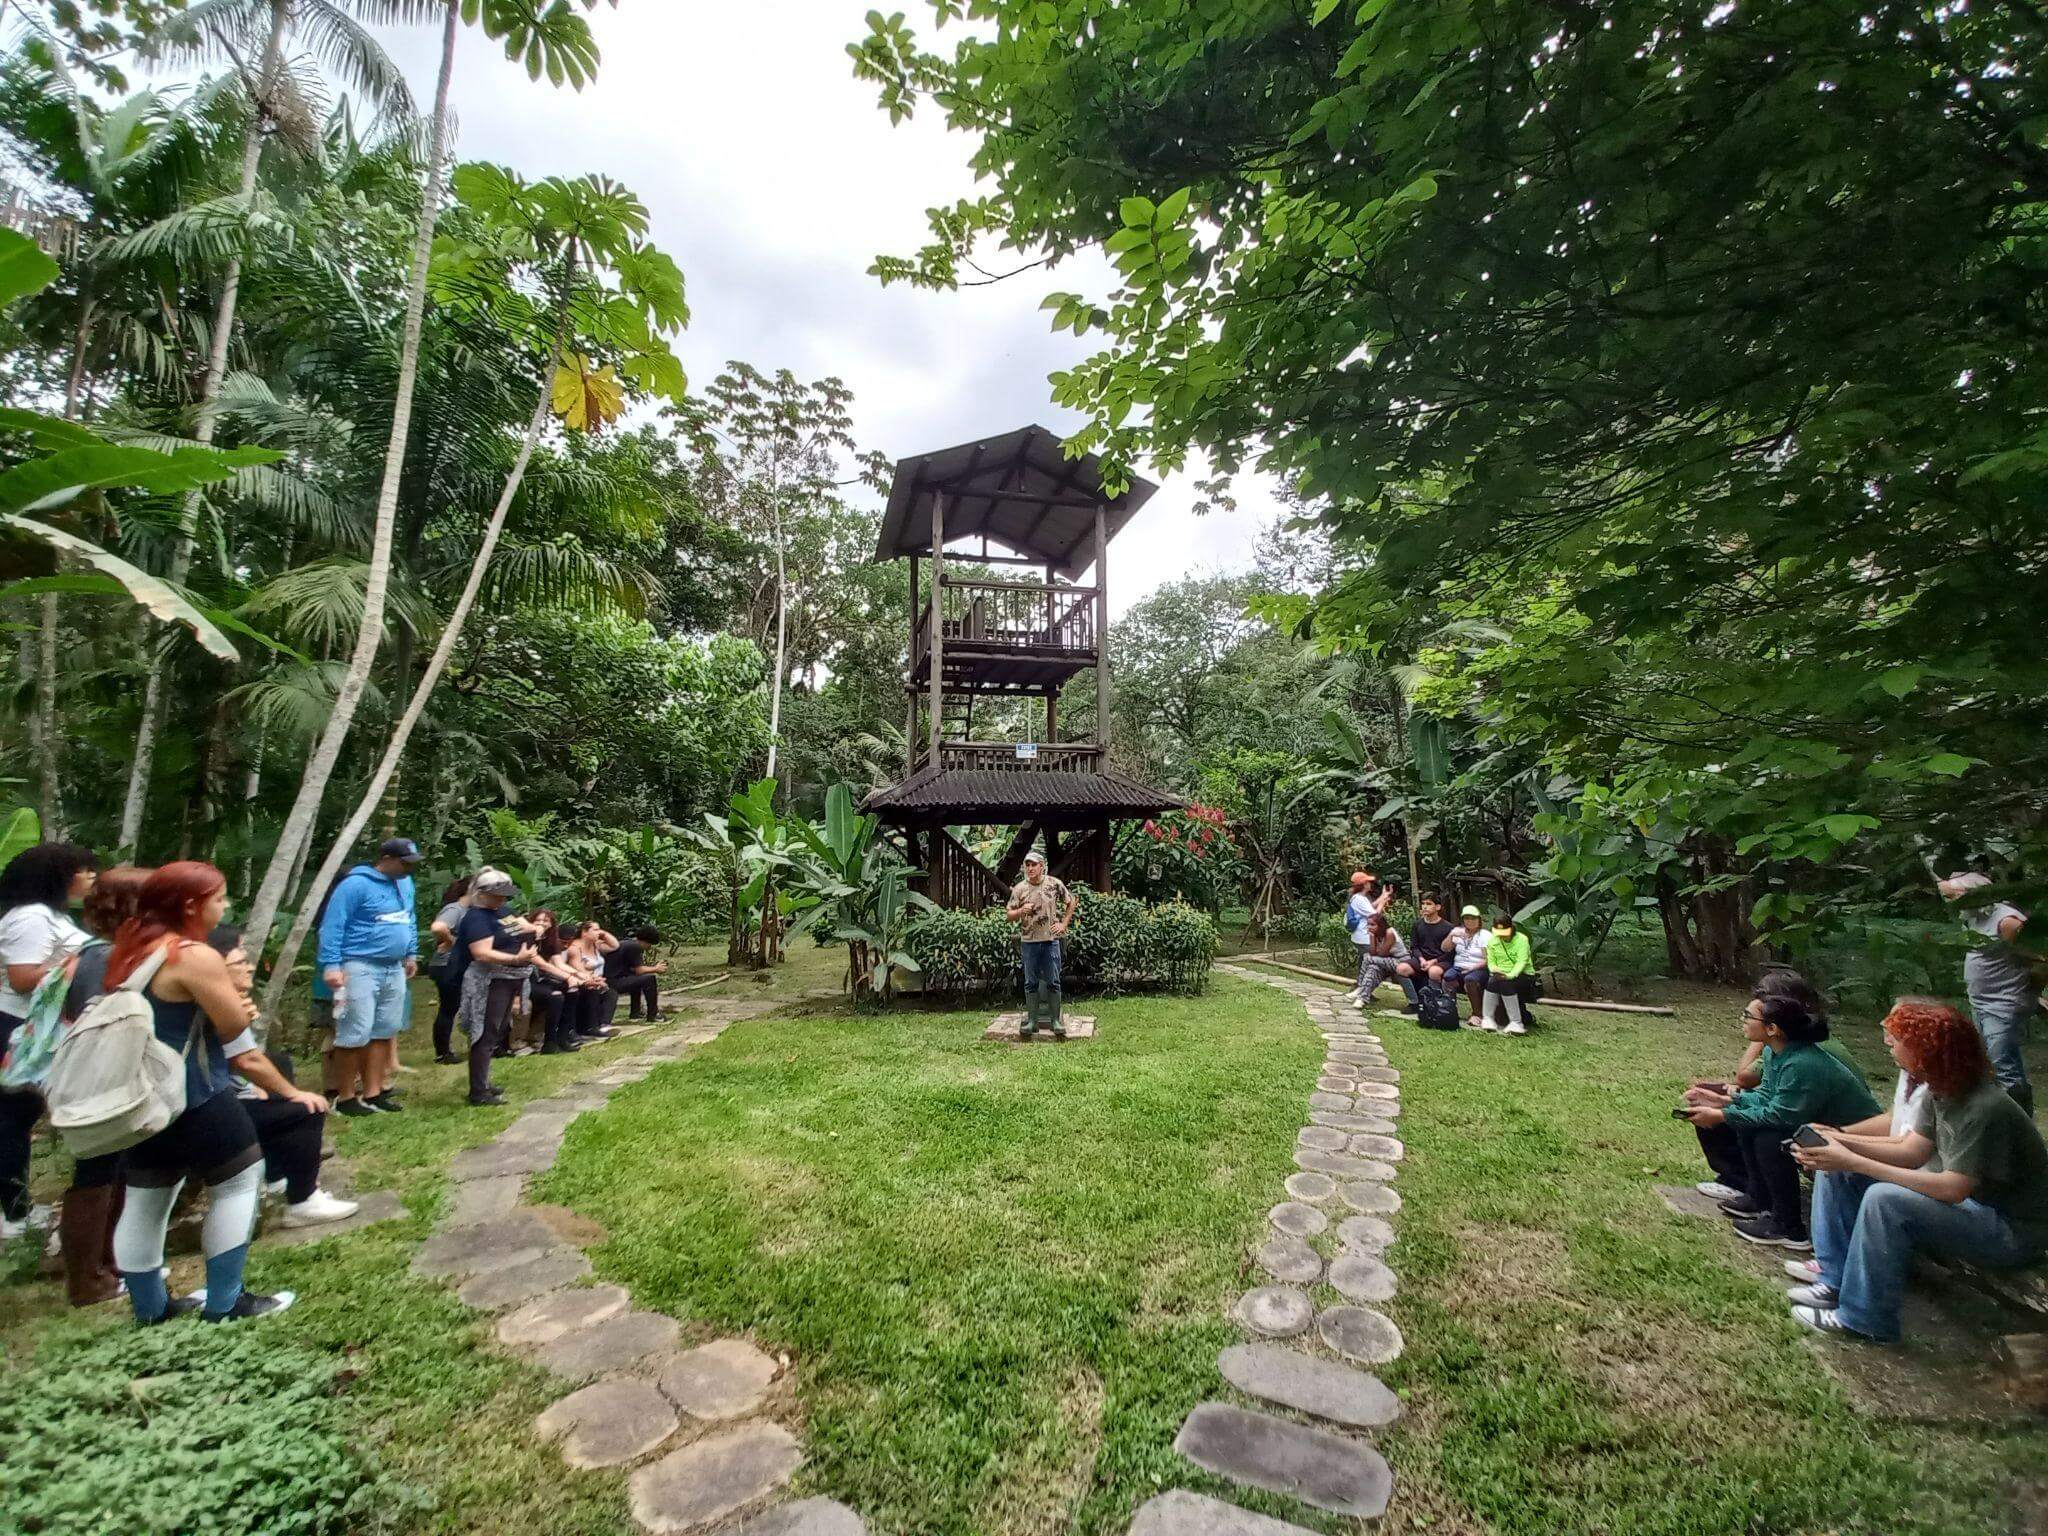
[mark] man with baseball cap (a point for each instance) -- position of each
(1042, 908)
(1999, 977)
(368, 940)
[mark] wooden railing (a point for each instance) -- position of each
(1029, 618)
(956, 879)
(1066, 757)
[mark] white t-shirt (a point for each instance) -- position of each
(34, 935)
(1362, 905)
(1906, 1106)
(1469, 952)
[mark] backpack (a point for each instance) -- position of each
(1435, 1008)
(112, 1083)
(29, 1051)
(1352, 918)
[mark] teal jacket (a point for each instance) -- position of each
(1802, 1085)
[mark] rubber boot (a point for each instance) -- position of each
(84, 1230)
(1052, 1012)
(1029, 1026)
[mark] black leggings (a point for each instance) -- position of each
(19, 1113)
(1753, 1159)
(497, 1009)
(449, 990)
(290, 1136)
(637, 989)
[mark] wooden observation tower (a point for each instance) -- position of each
(975, 641)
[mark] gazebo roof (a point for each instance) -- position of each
(1020, 490)
(998, 795)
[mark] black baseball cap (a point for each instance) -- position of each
(399, 848)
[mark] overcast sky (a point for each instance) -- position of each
(774, 180)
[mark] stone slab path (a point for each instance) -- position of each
(1325, 1261)
(1010, 1027)
(693, 1428)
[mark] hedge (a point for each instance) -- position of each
(1117, 942)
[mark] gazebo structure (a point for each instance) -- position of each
(975, 640)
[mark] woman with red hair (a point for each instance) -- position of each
(162, 953)
(1877, 1201)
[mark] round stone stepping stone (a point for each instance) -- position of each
(1367, 1145)
(500, 1243)
(522, 1282)
(546, 1318)
(608, 1423)
(1371, 1199)
(1378, 1091)
(1312, 1385)
(808, 1517)
(617, 1344)
(713, 1477)
(1377, 1074)
(1297, 1219)
(1323, 1100)
(1369, 1234)
(1181, 1513)
(1312, 1465)
(1357, 1057)
(1342, 1165)
(1322, 1138)
(1311, 1186)
(1278, 1311)
(1361, 1334)
(725, 1379)
(1361, 1277)
(1289, 1259)
(1335, 1084)
(1352, 1123)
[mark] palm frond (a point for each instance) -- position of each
(354, 57)
(293, 701)
(209, 232)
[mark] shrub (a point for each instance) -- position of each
(1335, 941)
(222, 1430)
(1117, 941)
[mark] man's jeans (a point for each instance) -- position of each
(1865, 1234)
(2005, 1041)
(1042, 982)
(375, 1003)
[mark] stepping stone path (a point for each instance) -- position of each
(639, 1392)
(1327, 1246)
(1010, 1026)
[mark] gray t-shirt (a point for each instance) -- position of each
(1996, 974)
(1986, 1135)
(449, 917)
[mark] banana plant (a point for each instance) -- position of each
(858, 884)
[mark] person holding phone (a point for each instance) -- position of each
(496, 961)
(1743, 1133)
(1880, 1200)
(1366, 901)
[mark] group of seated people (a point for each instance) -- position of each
(1955, 1167)
(1491, 964)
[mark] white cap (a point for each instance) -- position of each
(1034, 857)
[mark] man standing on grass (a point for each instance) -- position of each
(1042, 908)
(1999, 977)
(368, 939)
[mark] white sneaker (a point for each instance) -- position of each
(1516, 1027)
(274, 1187)
(318, 1208)
(40, 1218)
(1824, 1320)
(1714, 1189)
(1805, 1271)
(1815, 1295)
(1489, 1026)
(1352, 996)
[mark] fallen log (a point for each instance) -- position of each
(1546, 1002)
(698, 986)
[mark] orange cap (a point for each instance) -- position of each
(1358, 878)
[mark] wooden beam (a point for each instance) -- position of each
(910, 725)
(1101, 629)
(1060, 588)
(1051, 502)
(1547, 1002)
(938, 640)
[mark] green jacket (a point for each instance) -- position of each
(1508, 958)
(1803, 1084)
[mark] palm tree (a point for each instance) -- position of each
(574, 235)
(546, 36)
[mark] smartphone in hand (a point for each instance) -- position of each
(1807, 1136)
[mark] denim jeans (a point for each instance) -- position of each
(2005, 1042)
(375, 1003)
(1042, 967)
(1865, 1234)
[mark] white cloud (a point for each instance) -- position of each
(774, 180)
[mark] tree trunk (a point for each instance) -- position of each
(387, 767)
(781, 638)
(299, 821)
(203, 431)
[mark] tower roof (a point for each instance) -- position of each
(1019, 490)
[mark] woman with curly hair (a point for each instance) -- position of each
(1878, 1201)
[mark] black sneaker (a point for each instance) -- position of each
(1766, 1233)
(181, 1306)
(386, 1102)
(1741, 1208)
(489, 1097)
(449, 1059)
(355, 1108)
(1411, 1008)
(249, 1305)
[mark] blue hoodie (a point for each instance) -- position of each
(369, 917)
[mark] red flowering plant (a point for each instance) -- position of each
(1189, 855)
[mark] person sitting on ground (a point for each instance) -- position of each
(1743, 1134)
(1999, 977)
(440, 967)
(1365, 899)
(495, 963)
(634, 976)
(1383, 958)
(37, 890)
(1879, 1200)
(199, 1012)
(1510, 976)
(289, 1131)
(86, 1229)
(1427, 937)
(1466, 946)
(368, 943)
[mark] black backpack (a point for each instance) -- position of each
(1435, 1008)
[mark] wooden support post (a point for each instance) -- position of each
(938, 639)
(1102, 635)
(910, 723)
(1052, 719)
